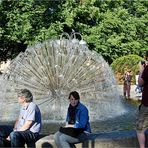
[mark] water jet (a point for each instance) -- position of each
(53, 68)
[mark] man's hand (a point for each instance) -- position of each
(8, 138)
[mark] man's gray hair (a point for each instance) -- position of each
(26, 94)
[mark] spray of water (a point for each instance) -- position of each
(54, 68)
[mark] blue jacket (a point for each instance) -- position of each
(82, 118)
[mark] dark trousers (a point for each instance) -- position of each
(19, 138)
(5, 131)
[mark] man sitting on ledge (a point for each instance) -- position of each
(27, 127)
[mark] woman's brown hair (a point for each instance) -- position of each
(75, 94)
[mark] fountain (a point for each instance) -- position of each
(54, 68)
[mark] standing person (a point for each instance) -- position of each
(27, 127)
(77, 118)
(142, 118)
(138, 88)
(127, 84)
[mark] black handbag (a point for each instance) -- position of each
(70, 131)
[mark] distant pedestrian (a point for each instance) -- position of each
(127, 77)
(138, 88)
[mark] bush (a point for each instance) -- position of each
(129, 62)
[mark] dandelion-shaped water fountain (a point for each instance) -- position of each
(54, 68)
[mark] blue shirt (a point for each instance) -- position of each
(81, 118)
(31, 112)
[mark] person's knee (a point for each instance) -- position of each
(63, 138)
(14, 135)
(56, 137)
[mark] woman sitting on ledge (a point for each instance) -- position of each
(77, 126)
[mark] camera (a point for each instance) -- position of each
(143, 63)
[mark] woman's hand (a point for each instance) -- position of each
(69, 125)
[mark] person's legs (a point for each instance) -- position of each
(16, 139)
(128, 90)
(57, 138)
(141, 125)
(31, 139)
(124, 89)
(64, 141)
(19, 138)
(141, 139)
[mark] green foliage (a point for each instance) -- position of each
(25, 19)
(113, 28)
(25, 22)
(122, 64)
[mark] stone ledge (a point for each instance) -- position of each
(46, 142)
(102, 140)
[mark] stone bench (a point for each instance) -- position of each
(118, 139)
(46, 142)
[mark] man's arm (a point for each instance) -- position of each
(15, 125)
(14, 129)
(140, 79)
(26, 125)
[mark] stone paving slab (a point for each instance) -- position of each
(133, 93)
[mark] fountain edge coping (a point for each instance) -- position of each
(101, 140)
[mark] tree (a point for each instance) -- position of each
(24, 23)
(112, 28)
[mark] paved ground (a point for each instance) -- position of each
(134, 95)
